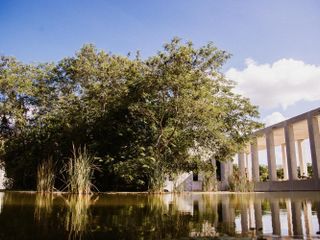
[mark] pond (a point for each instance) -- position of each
(26, 215)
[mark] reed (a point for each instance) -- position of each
(239, 183)
(80, 169)
(45, 176)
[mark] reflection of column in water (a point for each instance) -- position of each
(258, 215)
(289, 214)
(251, 214)
(296, 218)
(307, 217)
(275, 217)
(244, 219)
(228, 215)
(318, 215)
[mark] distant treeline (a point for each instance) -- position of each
(139, 119)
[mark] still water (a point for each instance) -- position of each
(160, 216)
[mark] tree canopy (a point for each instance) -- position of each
(141, 119)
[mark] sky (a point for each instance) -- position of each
(274, 44)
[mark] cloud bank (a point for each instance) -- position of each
(280, 84)
(273, 118)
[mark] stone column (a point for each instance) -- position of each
(241, 162)
(275, 217)
(230, 169)
(291, 152)
(214, 162)
(284, 161)
(302, 162)
(314, 137)
(248, 168)
(271, 155)
(255, 161)
(225, 173)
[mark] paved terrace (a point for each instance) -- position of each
(289, 137)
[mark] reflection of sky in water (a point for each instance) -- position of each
(238, 224)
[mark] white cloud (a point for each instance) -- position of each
(280, 84)
(274, 118)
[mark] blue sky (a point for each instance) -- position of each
(272, 41)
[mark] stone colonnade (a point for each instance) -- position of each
(289, 136)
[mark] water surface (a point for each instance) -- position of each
(160, 216)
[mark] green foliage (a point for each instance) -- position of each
(142, 118)
(263, 173)
(280, 173)
(309, 169)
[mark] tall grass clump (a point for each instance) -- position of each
(45, 176)
(80, 169)
(239, 183)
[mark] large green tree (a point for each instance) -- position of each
(142, 119)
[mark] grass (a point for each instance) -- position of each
(45, 176)
(80, 169)
(239, 183)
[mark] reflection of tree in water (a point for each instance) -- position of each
(78, 216)
(148, 217)
(140, 217)
(205, 218)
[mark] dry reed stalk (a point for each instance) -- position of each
(80, 169)
(45, 176)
